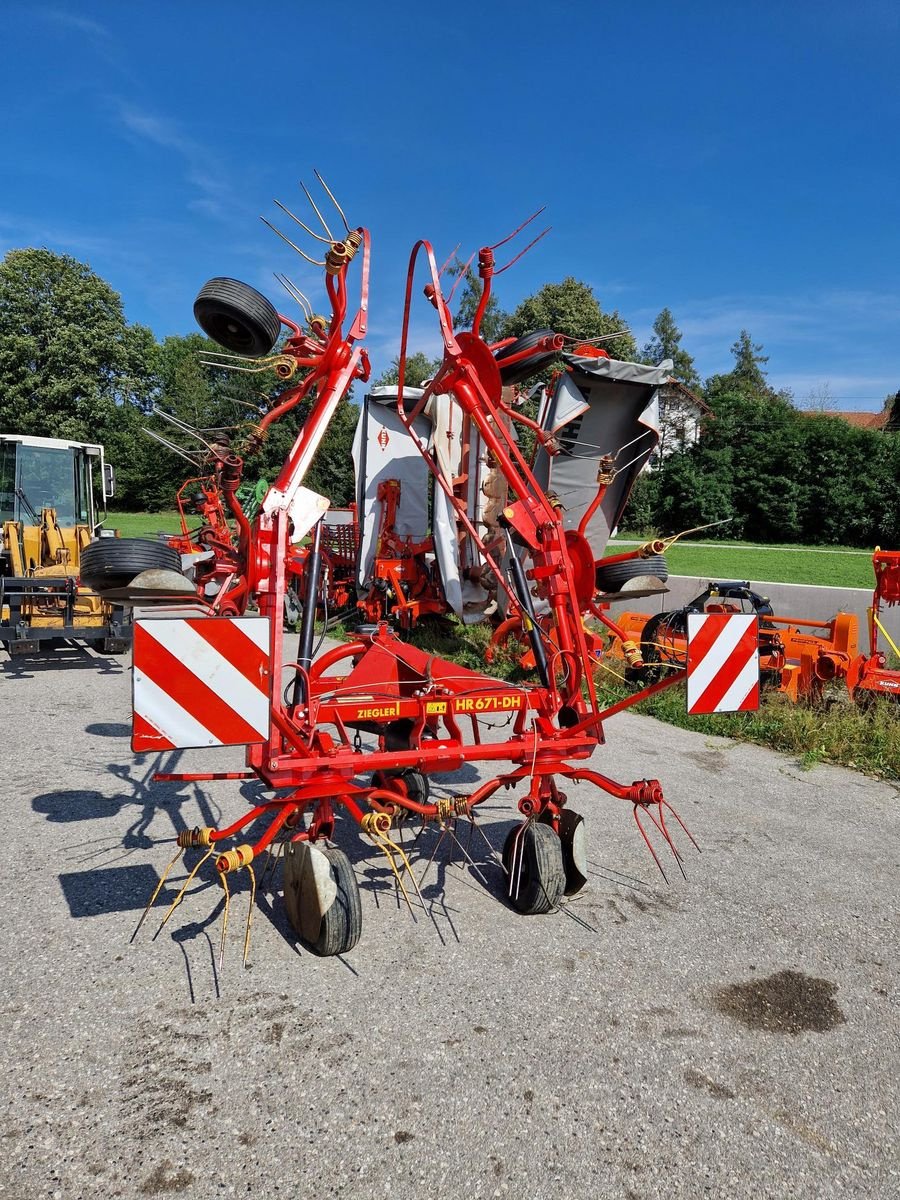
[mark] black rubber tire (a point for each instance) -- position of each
(418, 789)
(574, 852)
(610, 578)
(114, 562)
(527, 366)
(341, 925)
(114, 646)
(237, 316)
(417, 786)
(542, 879)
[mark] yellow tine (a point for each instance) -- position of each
(224, 878)
(249, 912)
(387, 847)
(408, 865)
(157, 890)
(184, 887)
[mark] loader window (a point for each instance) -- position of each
(46, 479)
(7, 481)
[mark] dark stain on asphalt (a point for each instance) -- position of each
(710, 760)
(787, 1002)
(164, 1179)
(403, 1135)
(703, 1083)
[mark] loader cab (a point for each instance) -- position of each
(38, 473)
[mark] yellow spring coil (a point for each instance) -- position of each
(445, 807)
(376, 823)
(342, 252)
(632, 652)
(200, 835)
(233, 860)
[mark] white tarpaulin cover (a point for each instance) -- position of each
(602, 406)
(382, 449)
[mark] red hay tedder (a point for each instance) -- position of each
(203, 680)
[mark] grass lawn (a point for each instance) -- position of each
(145, 525)
(829, 567)
(834, 566)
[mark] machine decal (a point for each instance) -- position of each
(722, 662)
(183, 670)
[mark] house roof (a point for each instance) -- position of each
(677, 386)
(860, 420)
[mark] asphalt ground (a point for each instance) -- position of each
(731, 1035)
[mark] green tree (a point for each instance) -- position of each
(570, 307)
(891, 410)
(419, 367)
(749, 361)
(842, 473)
(666, 343)
(68, 358)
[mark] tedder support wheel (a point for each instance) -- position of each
(574, 850)
(237, 316)
(321, 896)
(114, 562)
(536, 876)
(610, 578)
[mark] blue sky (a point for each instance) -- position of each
(737, 163)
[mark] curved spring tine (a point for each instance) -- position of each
(407, 866)
(516, 862)
(252, 874)
(156, 892)
(318, 214)
(332, 199)
(437, 847)
(223, 878)
(284, 208)
(475, 867)
(637, 822)
(674, 813)
(184, 887)
(294, 292)
(527, 221)
(385, 845)
(315, 262)
(506, 266)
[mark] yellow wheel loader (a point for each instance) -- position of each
(49, 516)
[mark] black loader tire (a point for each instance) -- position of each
(114, 562)
(237, 316)
(611, 577)
(536, 884)
(526, 366)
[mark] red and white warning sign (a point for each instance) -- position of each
(722, 662)
(200, 681)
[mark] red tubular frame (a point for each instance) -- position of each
(407, 698)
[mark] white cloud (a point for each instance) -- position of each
(200, 169)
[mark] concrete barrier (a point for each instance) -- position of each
(787, 599)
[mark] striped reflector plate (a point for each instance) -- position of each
(722, 662)
(200, 681)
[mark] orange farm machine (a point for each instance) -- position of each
(797, 655)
